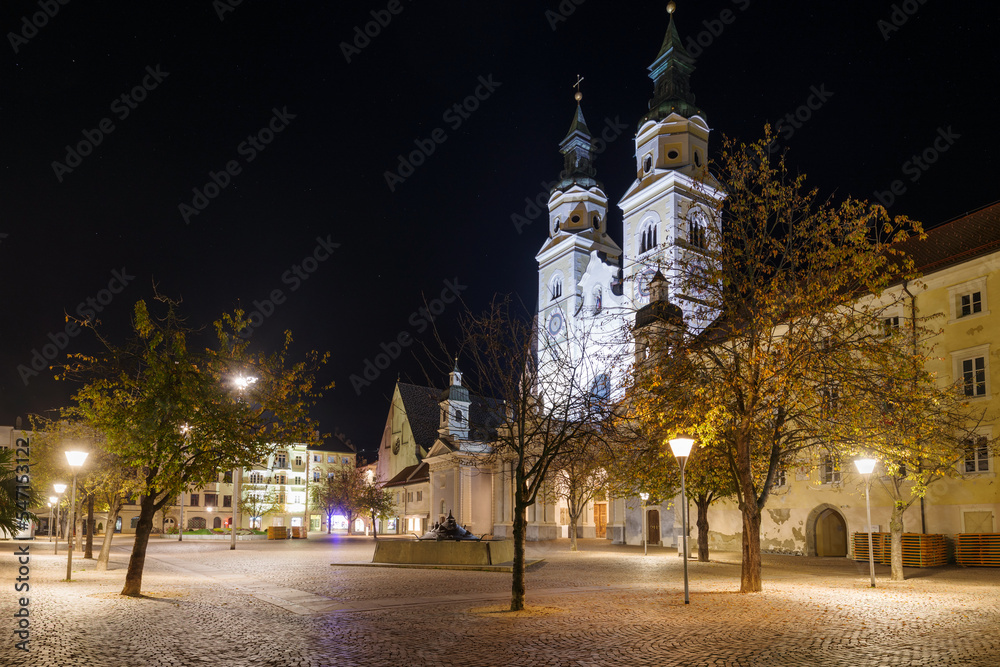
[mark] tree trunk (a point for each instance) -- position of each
(329, 524)
(88, 551)
(517, 571)
(572, 532)
(702, 502)
(133, 578)
(896, 542)
(750, 573)
(102, 558)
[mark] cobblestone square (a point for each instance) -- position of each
(289, 603)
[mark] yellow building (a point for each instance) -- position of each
(817, 503)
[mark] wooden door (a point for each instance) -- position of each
(600, 519)
(653, 526)
(831, 534)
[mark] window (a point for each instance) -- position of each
(298, 460)
(830, 399)
(830, 471)
(256, 478)
(281, 496)
(458, 416)
(647, 238)
(974, 376)
(281, 460)
(696, 229)
(298, 480)
(555, 287)
(890, 326)
(317, 458)
(647, 163)
(194, 500)
(598, 299)
(970, 303)
(420, 495)
(968, 299)
(331, 459)
(780, 478)
(977, 455)
(211, 500)
(228, 477)
(330, 474)
(135, 521)
(315, 475)
(227, 501)
(279, 479)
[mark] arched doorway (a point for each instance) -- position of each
(831, 534)
(217, 522)
(653, 526)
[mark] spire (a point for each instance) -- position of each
(577, 148)
(671, 75)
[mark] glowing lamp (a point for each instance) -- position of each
(681, 446)
(60, 488)
(76, 459)
(865, 466)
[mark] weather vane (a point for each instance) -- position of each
(579, 94)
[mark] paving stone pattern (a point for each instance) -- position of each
(283, 603)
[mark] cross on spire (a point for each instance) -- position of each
(579, 94)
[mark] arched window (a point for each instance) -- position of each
(598, 299)
(696, 229)
(458, 416)
(555, 287)
(647, 239)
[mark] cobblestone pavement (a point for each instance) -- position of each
(283, 603)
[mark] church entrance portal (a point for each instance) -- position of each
(831, 534)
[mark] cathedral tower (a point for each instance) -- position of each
(671, 202)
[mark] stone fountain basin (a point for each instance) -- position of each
(445, 552)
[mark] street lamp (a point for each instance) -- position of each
(681, 447)
(241, 382)
(645, 497)
(60, 489)
(865, 467)
(75, 460)
(186, 432)
(52, 501)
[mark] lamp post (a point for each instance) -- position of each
(645, 497)
(75, 460)
(52, 501)
(186, 432)
(865, 467)
(60, 489)
(241, 382)
(681, 447)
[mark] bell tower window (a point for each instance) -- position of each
(555, 287)
(696, 230)
(647, 239)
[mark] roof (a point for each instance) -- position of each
(335, 443)
(420, 405)
(419, 472)
(956, 241)
(659, 311)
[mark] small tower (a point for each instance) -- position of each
(658, 324)
(455, 404)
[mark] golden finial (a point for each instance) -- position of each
(579, 94)
(671, 7)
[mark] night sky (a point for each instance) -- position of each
(315, 176)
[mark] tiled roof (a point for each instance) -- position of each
(957, 241)
(335, 443)
(420, 405)
(419, 472)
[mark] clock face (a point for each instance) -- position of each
(395, 447)
(555, 323)
(642, 283)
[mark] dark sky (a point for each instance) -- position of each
(887, 93)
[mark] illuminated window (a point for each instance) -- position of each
(696, 229)
(647, 238)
